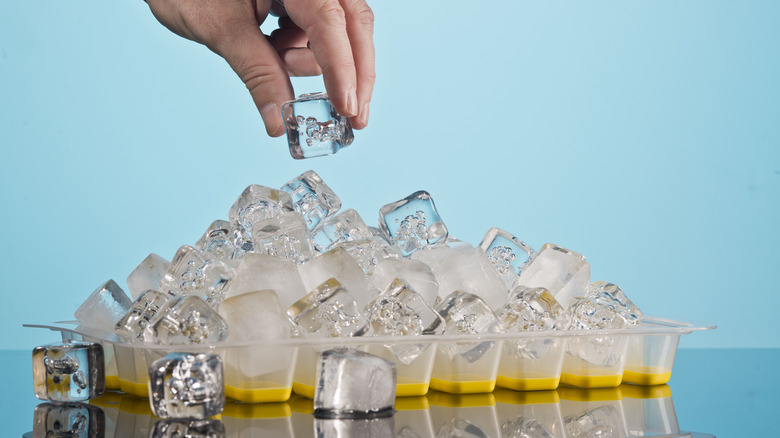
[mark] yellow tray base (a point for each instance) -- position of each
(528, 384)
(132, 388)
(411, 389)
(112, 383)
(258, 395)
(303, 389)
(591, 381)
(463, 387)
(643, 378)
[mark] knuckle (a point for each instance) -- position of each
(256, 77)
(364, 15)
(332, 15)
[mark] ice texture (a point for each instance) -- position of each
(612, 296)
(587, 314)
(314, 128)
(462, 267)
(460, 428)
(466, 313)
(346, 226)
(104, 307)
(328, 310)
(531, 310)
(68, 372)
(603, 421)
(263, 272)
(415, 273)
(524, 427)
(283, 236)
(255, 203)
(68, 420)
(507, 253)
(564, 273)
(312, 198)
(218, 240)
(187, 385)
(338, 264)
(400, 311)
(197, 273)
(413, 222)
(186, 320)
(188, 428)
(147, 275)
(354, 384)
(143, 310)
(381, 427)
(369, 252)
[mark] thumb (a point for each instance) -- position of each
(256, 62)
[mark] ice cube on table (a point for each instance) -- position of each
(415, 273)
(143, 310)
(531, 310)
(312, 198)
(262, 272)
(369, 252)
(354, 384)
(283, 236)
(464, 268)
(68, 420)
(346, 226)
(189, 428)
(197, 273)
(218, 240)
(355, 427)
(186, 320)
(314, 128)
(611, 295)
(564, 273)
(466, 313)
(104, 307)
(413, 222)
(66, 372)
(254, 204)
(147, 275)
(506, 253)
(329, 310)
(187, 385)
(338, 264)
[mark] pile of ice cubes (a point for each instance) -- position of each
(291, 262)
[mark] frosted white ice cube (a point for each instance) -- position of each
(369, 252)
(255, 204)
(415, 273)
(337, 264)
(265, 272)
(147, 275)
(104, 307)
(564, 273)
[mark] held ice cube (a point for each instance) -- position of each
(255, 204)
(186, 320)
(104, 307)
(312, 198)
(68, 420)
(197, 273)
(217, 240)
(346, 226)
(354, 384)
(283, 236)
(338, 264)
(413, 222)
(416, 274)
(531, 310)
(147, 275)
(564, 273)
(466, 313)
(68, 372)
(187, 385)
(143, 310)
(506, 253)
(189, 428)
(329, 310)
(262, 271)
(369, 252)
(314, 128)
(611, 295)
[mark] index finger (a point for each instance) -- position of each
(360, 28)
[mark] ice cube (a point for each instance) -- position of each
(143, 310)
(507, 253)
(355, 427)
(189, 428)
(217, 240)
(531, 310)
(314, 128)
(283, 236)
(400, 311)
(460, 428)
(413, 222)
(466, 313)
(187, 385)
(523, 427)
(354, 384)
(328, 310)
(255, 204)
(338, 264)
(564, 273)
(68, 372)
(612, 296)
(464, 268)
(312, 198)
(262, 271)
(369, 252)
(197, 273)
(415, 273)
(68, 420)
(147, 275)
(587, 314)
(186, 320)
(603, 421)
(346, 226)
(104, 307)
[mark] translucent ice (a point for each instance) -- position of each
(68, 420)
(254, 316)
(197, 273)
(314, 128)
(312, 198)
(187, 385)
(531, 310)
(354, 384)
(466, 313)
(564, 273)
(603, 421)
(217, 240)
(104, 307)
(328, 310)
(355, 427)
(255, 204)
(369, 252)
(188, 428)
(415, 273)
(265, 272)
(186, 320)
(131, 326)
(346, 226)
(522, 427)
(68, 372)
(338, 264)
(460, 428)
(587, 314)
(612, 296)
(147, 275)
(507, 253)
(413, 222)
(283, 236)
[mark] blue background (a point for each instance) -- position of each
(643, 135)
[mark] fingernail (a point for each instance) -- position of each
(364, 114)
(352, 104)
(271, 117)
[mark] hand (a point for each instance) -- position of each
(329, 37)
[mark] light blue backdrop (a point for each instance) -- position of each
(643, 135)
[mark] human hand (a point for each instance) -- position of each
(329, 37)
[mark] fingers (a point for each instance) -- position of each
(360, 29)
(300, 62)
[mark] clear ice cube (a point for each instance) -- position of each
(506, 253)
(524, 427)
(143, 310)
(413, 222)
(104, 307)
(346, 226)
(314, 128)
(564, 273)
(338, 264)
(531, 310)
(186, 320)
(255, 204)
(611, 295)
(188, 428)
(328, 310)
(68, 372)
(369, 252)
(283, 236)
(587, 314)
(415, 273)
(147, 275)
(187, 385)
(218, 240)
(603, 421)
(354, 384)
(312, 198)
(197, 273)
(262, 272)
(466, 313)
(68, 420)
